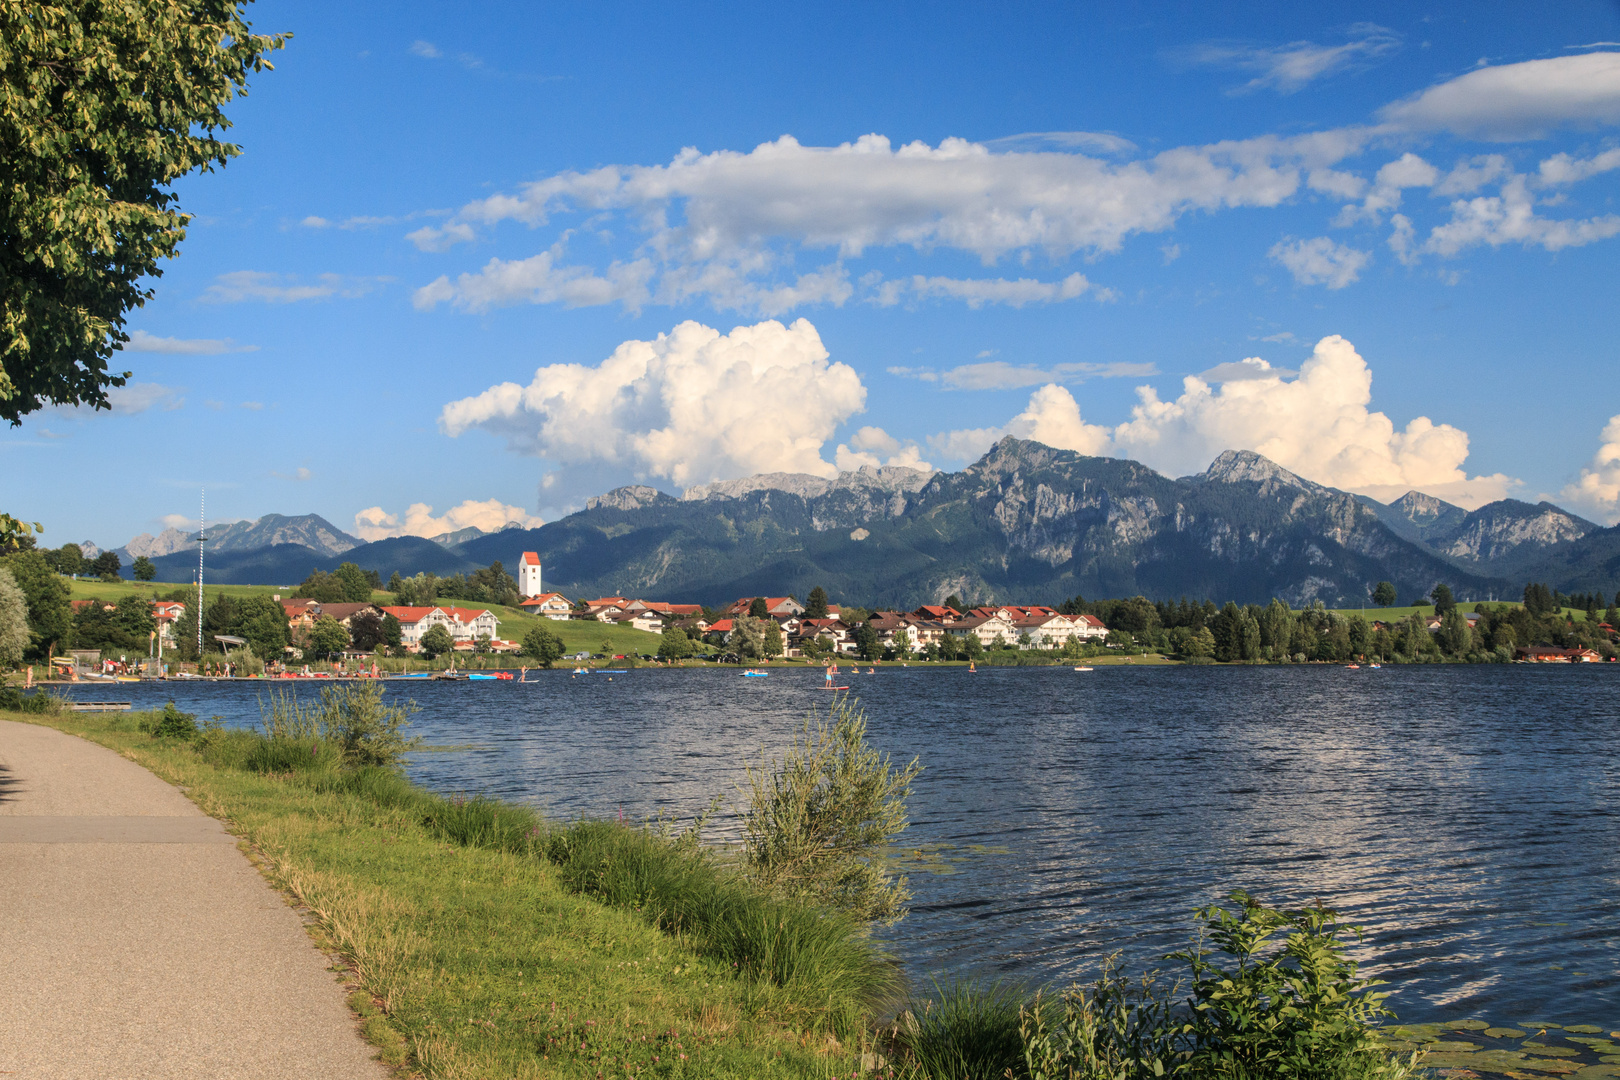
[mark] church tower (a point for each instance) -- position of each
(529, 574)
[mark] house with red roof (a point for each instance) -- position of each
(464, 624)
(1089, 628)
(774, 605)
(549, 605)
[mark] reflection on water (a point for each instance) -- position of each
(1466, 816)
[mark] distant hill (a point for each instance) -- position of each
(289, 564)
(1025, 523)
(309, 530)
(1507, 538)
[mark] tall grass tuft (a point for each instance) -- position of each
(822, 960)
(486, 823)
(966, 1031)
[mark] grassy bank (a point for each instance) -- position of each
(483, 941)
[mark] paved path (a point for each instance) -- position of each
(137, 941)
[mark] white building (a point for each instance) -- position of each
(529, 574)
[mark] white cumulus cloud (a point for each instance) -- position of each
(1517, 101)
(874, 447)
(1317, 424)
(1597, 489)
(692, 406)
(491, 515)
(1320, 261)
(1510, 218)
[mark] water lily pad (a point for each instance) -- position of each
(1585, 1029)
(1543, 1050)
(1594, 1072)
(1469, 1025)
(1454, 1047)
(1534, 1024)
(1504, 1033)
(1610, 1059)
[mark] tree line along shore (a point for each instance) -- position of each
(45, 612)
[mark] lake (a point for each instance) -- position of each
(1465, 816)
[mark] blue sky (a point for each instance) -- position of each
(478, 265)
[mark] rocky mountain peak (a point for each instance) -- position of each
(1246, 466)
(629, 497)
(888, 478)
(1421, 509)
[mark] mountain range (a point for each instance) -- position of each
(1025, 523)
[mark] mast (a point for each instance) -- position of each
(202, 535)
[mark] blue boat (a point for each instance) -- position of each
(755, 674)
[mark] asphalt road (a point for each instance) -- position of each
(137, 941)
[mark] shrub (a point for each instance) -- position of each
(14, 700)
(171, 723)
(351, 716)
(1113, 1030)
(1298, 1012)
(817, 822)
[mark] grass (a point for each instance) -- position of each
(482, 942)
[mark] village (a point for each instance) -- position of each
(752, 628)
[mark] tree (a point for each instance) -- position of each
(1454, 637)
(366, 630)
(144, 570)
(328, 636)
(436, 642)
(674, 644)
(106, 566)
(49, 613)
(1384, 594)
(15, 535)
(757, 609)
(868, 643)
(106, 106)
(393, 633)
(13, 620)
(815, 605)
(954, 602)
(354, 582)
(1444, 604)
(267, 634)
(543, 645)
(1538, 600)
(772, 643)
(748, 637)
(321, 587)
(67, 559)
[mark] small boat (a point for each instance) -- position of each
(751, 674)
(415, 675)
(1375, 666)
(1082, 669)
(830, 686)
(1352, 667)
(482, 676)
(611, 671)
